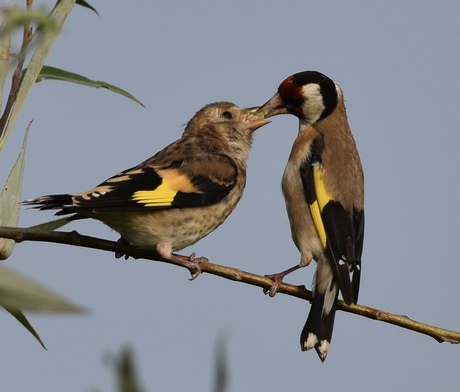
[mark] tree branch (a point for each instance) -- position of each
(76, 239)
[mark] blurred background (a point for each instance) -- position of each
(398, 65)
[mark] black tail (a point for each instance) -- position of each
(52, 202)
(318, 328)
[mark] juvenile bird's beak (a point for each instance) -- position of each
(255, 119)
(272, 107)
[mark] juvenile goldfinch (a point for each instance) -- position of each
(323, 185)
(179, 195)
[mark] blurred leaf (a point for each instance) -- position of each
(10, 198)
(51, 225)
(15, 17)
(125, 371)
(53, 73)
(16, 313)
(5, 40)
(18, 292)
(59, 15)
(83, 3)
(221, 367)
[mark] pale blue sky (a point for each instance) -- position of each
(398, 64)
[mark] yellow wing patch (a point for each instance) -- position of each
(162, 196)
(178, 180)
(173, 181)
(322, 198)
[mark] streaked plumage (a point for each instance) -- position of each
(179, 195)
(323, 185)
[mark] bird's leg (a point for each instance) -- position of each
(119, 248)
(278, 279)
(192, 263)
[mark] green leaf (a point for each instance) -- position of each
(15, 17)
(125, 369)
(53, 73)
(19, 292)
(59, 15)
(83, 3)
(5, 40)
(51, 225)
(10, 198)
(17, 313)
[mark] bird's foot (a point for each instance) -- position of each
(192, 263)
(278, 279)
(120, 248)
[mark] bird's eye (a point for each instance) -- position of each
(293, 102)
(227, 114)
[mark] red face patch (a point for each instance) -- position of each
(292, 95)
(289, 89)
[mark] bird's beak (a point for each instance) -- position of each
(273, 107)
(254, 119)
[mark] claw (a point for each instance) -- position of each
(277, 280)
(192, 263)
(119, 252)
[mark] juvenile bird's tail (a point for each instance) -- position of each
(52, 202)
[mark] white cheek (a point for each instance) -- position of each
(313, 105)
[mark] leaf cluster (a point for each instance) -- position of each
(39, 29)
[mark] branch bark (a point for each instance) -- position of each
(76, 239)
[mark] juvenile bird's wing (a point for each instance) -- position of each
(340, 231)
(194, 181)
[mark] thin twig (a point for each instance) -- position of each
(15, 82)
(76, 239)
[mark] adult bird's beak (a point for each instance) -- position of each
(255, 119)
(273, 107)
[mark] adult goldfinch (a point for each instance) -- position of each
(323, 185)
(179, 195)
